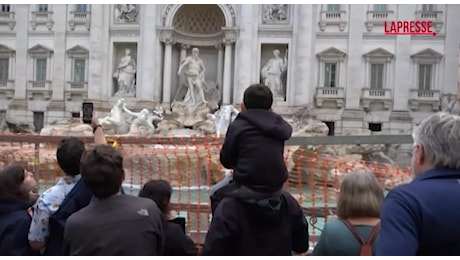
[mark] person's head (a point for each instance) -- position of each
(360, 196)
(436, 143)
(127, 51)
(159, 191)
(68, 155)
(257, 96)
(195, 52)
(276, 53)
(17, 183)
(102, 171)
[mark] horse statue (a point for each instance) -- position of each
(222, 118)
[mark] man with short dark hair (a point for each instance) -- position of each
(114, 224)
(254, 149)
(57, 203)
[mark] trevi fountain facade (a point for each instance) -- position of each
(189, 60)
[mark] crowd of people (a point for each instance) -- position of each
(87, 212)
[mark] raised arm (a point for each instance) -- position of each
(130, 112)
(182, 65)
(99, 136)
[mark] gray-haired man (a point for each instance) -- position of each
(422, 217)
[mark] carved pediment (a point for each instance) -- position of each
(77, 50)
(379, 53)
(332, 52)
(427, 53)
(5, 49)
(40, 49)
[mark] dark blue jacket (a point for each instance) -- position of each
(14, 228)
(423, 217)
(254, 148)
(78, 198)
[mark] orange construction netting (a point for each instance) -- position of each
(192, 166)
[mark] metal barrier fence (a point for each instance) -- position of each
(191, 165)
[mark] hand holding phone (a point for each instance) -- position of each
(88, 109)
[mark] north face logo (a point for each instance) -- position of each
(143, 212)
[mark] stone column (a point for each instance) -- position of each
(147, 54)
(227, 79)
(353, 114)
(167, 72)
(451, 53)
(220, 65)
(18, 107)
(245, 51)
(400, 118)
(56, 107)
(355, 68)
(305, 33)
(96, 70)
(183, 51)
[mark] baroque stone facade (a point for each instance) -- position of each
(351, 75)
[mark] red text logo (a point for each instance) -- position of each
(409, 28)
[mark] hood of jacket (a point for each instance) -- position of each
(267, 122)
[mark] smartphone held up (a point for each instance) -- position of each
(87, 108)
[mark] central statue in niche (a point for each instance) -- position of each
(202, 96)
(194, 78)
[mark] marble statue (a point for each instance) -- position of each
(194, 78)
(115, 120)
(222, 118)
(143, 119)
(275, 13)
(450, 104)
(125, 75)
(272, 73)
(126, 12)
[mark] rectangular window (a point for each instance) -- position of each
(331, 126)
(39, 121)
(6, 8)
(380, 8)
(43, 8)
(333, 8)
(425, 75)
(81, 8)
(377, 71)
(428, 8)
(40, 70)
(79, 67)
(375, 127)
(330, 75)
(4, 69)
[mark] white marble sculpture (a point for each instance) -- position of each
(125, 74)
(115, 120)
(275, 13)
(272, 73)
(126, 12)
(143, 119)
(222, 118)
(194, 78)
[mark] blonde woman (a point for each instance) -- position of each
(358, 211)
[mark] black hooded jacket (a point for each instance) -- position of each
(14, 228)
(254, 148)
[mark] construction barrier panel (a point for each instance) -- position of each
(191, 165)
